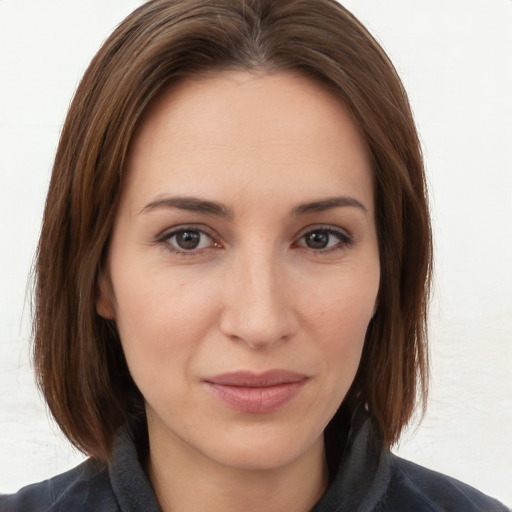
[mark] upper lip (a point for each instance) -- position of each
(256, 380)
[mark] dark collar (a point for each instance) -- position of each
(364, 471)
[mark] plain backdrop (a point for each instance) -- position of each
(455, 58)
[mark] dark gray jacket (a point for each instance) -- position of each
(367, 479)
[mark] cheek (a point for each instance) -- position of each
(343, 340)
(340, 317)
(344, 306)
(161, 320)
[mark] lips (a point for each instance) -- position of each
(256, 393)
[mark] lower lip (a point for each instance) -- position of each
(256, 399)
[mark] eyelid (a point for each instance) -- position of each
(326, 227)
(169, 231)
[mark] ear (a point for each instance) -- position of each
(105, 296)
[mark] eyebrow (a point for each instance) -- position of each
(329, 204)
(195, 204)
(192, 204)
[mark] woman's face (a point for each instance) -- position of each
(244, 265)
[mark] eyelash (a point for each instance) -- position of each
(344, 240)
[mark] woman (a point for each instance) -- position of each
(233, 270)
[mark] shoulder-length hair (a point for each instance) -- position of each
(78, 356)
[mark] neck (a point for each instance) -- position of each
(184, 480)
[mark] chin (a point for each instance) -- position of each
(263, 449)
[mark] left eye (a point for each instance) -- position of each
(185, 240)
(323, 238)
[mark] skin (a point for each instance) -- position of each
(254, 295)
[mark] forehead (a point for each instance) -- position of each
(242, 129)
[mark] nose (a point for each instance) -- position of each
(258, 304)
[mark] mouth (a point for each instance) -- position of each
(256, 393)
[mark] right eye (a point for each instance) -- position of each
(187, 240)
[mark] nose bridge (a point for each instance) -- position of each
(257, 306)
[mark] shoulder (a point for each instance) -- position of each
(83, 488)
(413, 487)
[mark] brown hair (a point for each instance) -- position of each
(78, 357)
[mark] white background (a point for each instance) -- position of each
(455, 57)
